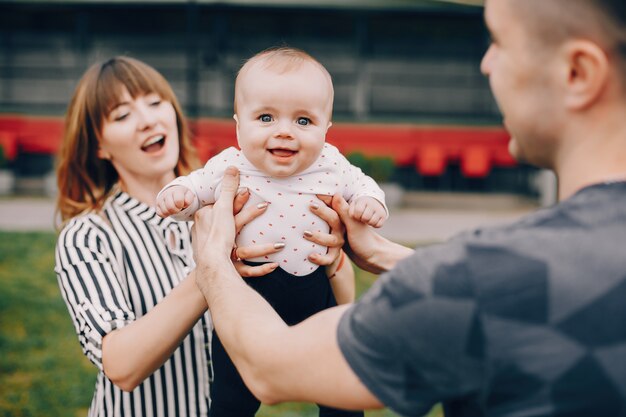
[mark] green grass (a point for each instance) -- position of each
(42, 369)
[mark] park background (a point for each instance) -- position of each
(411, 108)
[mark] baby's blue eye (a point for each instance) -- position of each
(303, 121)
(265, 118)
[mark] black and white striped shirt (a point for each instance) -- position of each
(113, 268)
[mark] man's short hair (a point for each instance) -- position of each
(602, 21)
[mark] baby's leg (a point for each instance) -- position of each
(229, 395)
(297, 298)
(334, 412)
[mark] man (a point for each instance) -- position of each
(523, 320)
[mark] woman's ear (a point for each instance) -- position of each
(102, 154)
(588, 73)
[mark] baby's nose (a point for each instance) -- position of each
(284, 130)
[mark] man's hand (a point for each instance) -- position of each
(214, 228)
(365, 247)
(333, 240)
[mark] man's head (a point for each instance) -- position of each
(551, 60)
(556, 21)
(283, 107)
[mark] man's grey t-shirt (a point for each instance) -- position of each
(523, 320)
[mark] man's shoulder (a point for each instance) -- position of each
(481, 260)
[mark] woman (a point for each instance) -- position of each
(126, 275)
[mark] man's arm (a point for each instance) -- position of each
(277, 362)
(366, 248)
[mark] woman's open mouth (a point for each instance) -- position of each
(153, 144)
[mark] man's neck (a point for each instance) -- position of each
(595, 153)
(603, 161)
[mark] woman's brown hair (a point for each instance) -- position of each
(85, 181)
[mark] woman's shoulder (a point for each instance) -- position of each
(86, 226)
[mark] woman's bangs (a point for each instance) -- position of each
(120, 76)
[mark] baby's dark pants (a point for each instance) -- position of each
(294, 299)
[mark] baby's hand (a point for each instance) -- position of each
(173, 200)
(368, 210)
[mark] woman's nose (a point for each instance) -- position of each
(147, 117)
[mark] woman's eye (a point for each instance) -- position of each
(120, 117)
(265, 118)
(153, 99)
(303, 121)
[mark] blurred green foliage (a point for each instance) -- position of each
(380, 168)
(42, 369)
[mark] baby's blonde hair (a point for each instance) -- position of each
(282, 59)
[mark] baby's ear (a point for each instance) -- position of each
(237, 129)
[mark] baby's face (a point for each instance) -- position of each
(282, 119)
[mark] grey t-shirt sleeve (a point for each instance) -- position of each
(412, 341)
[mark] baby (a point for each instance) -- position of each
(283, 107)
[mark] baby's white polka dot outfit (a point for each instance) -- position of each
(288, 215)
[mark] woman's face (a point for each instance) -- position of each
(140, 138)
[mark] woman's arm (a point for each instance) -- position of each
(338, 269)
(134, 352)
(342, 279)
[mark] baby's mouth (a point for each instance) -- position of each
(282, 153)
(153, 144)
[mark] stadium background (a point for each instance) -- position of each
(406, 73)
(408, 87)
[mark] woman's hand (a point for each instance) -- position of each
(238, 254)
(339, 272)
(333, 240)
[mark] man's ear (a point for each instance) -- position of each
(588, 73)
